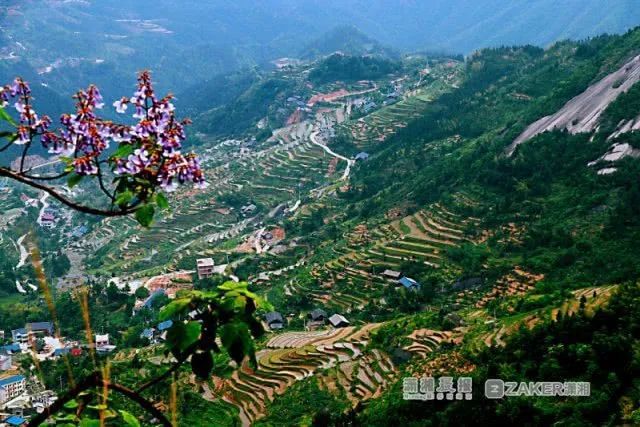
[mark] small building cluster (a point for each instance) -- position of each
(157, 334)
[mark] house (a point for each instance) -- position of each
(14, 420)
(204, 267)
(48, 220)
(318, 315)
(369, 106)
(20, 336)
(147, 333)
(32, 331)
(409, 283)
(40, 328)
(102, 344)
(392, 274)
(274, 320)
(163, 326)
(362, 156)
(5, 362)
(338, 321)
(248, 209)
(11, 348)
(11, 387)
(61, 352)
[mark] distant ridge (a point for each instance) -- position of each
(348, 40)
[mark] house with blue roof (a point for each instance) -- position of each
(14, 420)
(61, 351)
(11, 348)
(20, 336)
(409, 283)
(163, 326)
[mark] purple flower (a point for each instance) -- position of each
(121, 105)
(24, 135)
(85, 166)
(140, 113)
(135, 163)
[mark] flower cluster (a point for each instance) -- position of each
(158, 138)
(148, 150)
(30, 124)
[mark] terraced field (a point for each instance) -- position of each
(294, 356)
(591, 297)
(425, 341)
(516, 283)
(422, 237)
(288, 168)
(373, 129)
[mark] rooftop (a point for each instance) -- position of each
(273, 317)
(14, 420)
(205, 262)
(10, 380)
(337, 319)
(40, 326)
(408, 282)
(165, 325)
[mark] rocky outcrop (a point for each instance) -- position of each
(582, 113)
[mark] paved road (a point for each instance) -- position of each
(350, 162)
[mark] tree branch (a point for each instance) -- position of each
(70, 203)
(96, 380)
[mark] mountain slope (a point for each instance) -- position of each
(348, 40)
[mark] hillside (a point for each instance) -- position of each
(346, 39)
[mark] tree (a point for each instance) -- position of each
(142, 293)
(146, 164)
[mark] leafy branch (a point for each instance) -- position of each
(199, 318)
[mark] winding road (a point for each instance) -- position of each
(350, 162)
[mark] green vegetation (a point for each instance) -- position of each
(340, 67)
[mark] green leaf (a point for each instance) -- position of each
(129, 419)
(7, 134)
(202, 364)
(123, 151)
(144, 215)
(68, 417)
(162, 201)
(123, 199)
(72, 404)
(89, 422)
(4, 116)
(237, 341)
(180, 336)
(232, 286)
(74, 180)
(176, 306)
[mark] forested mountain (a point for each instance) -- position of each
(73, 43)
